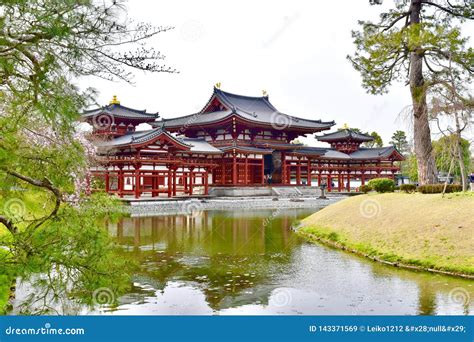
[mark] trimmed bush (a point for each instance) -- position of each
(408, 188)
(438, 188)
(382, 185)
(365, 189)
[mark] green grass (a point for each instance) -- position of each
(427, 231)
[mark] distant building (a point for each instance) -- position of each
(234, 141)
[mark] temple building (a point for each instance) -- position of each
(235, 141)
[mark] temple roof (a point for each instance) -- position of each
(277, 145)
(247, 149)
(345, 134)
(143, 137)
(373, 153)
(255, 109)
(327, 153)
(117, 110)
(361, 154)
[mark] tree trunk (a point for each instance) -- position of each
(460, 158)
(422, 132)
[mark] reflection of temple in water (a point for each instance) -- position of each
(237, 258)
(208, 232)
(228, 255)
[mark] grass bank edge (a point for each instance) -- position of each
(337, 237)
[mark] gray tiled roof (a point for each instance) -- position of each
(277, 144)
(369, 153)
(194, 145)
(361, 154)
(120, 111)
(328, 153)
(256, 109)
(345, 134)
(249, 149)
(200, 145)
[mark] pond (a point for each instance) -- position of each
(250, 262)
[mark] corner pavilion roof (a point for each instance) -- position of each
(345, 134)
(142, 137)
(115, 109)
(360, 154)
(254, 109)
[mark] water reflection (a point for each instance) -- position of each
(250, 262)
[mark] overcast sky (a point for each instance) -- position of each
(295, 50)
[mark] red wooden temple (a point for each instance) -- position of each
(234, 141)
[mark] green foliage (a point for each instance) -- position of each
(408, 188)
(365, 188)
(383, 51)
(382, 185)
(445, 148)
(356, 130)
(410, 168)
(399, 140)
(377, 142)
(47, 225)
(77, 245)
(438, 188)
(418, 43)
(333, 236)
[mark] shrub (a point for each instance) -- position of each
(365, 188)
(438, 188)
(408, 188)
(382, 185)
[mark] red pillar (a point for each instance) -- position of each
(246, 171)
(153, 182)
(263, 170)
(170, 182)
(319, 178)
(308, 181)
(174, 181)
(206, 182)
(223, 172)
(284, 177)
(185, 182)
(298, 172)
(191, 180)
(234, 169)
(120, 182)
(348, 182)
(107, 181)
(329, 183)
(362, 179)
(137, 181)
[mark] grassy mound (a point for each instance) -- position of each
(411, 229)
